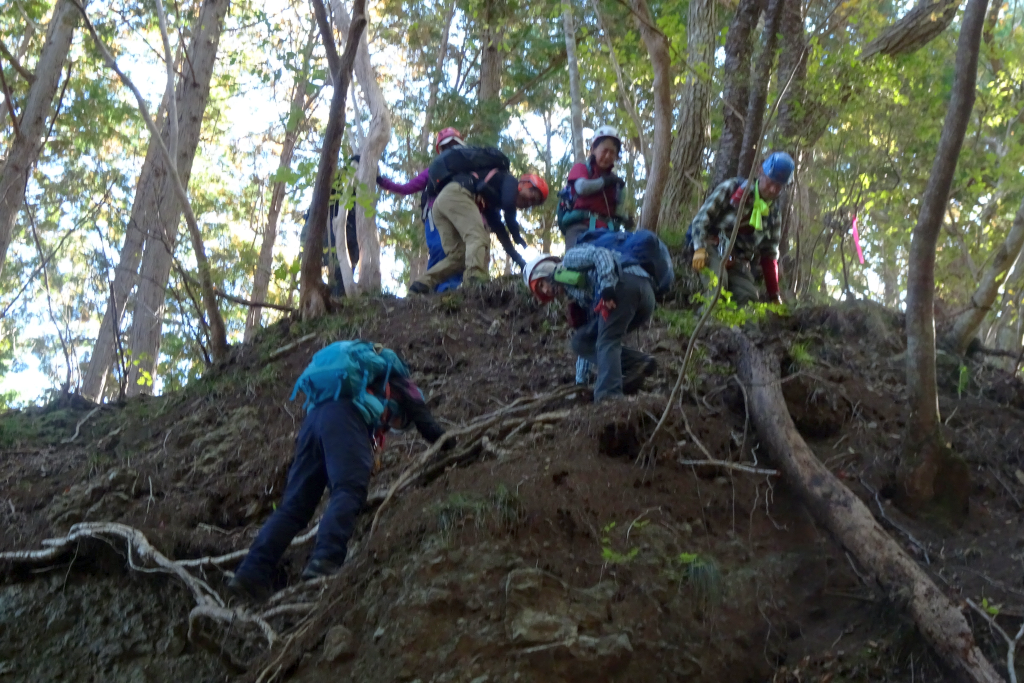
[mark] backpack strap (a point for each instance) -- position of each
(490, 174)
(341, 380)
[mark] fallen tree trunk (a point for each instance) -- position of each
(833, 505)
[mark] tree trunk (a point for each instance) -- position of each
(377, 137)
(914, 30)
(28, 143)
(837, 509)
(967, 323)
(293, 127)
(758, 98)
(624, 89)
(314, 297)
(161, 225)
(683, 184)
(930, 474)
(491, 63)
(736, 92)
(435, 84)
(661, 144)
(793, 70)
(575, 98)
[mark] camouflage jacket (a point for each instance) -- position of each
(718, 215)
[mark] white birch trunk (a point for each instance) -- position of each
(193, 93)
(25, 149)
(377, 138)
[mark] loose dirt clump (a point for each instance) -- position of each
(561, 544)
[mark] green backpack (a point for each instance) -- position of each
(345, 369)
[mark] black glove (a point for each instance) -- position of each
(430, 430)
(519, 261)
(608, 294)
(611, 180)
(520, 240)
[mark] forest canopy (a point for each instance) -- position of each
(111, 285)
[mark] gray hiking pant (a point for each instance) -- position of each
(600, 340)
(737, 279)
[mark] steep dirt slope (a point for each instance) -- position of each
(548, 551)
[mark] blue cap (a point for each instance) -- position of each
(779, 167)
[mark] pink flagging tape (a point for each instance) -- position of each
(856, 241)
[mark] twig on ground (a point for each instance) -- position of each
(288, 347)
(1011, 643)
(81, 422)
(1007, 487)
(737, 466)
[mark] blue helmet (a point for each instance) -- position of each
(779, 167)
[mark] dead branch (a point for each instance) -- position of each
(474, 428)
(81, 422)
(288, 347)
(252, 304)
(833, 505)
(1011, 643)
(725, 464)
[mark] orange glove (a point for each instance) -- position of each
(700, 259)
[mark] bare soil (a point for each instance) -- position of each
(559, 552)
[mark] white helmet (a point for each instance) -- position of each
(606, 132)
(528, 271)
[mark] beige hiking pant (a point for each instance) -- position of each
(466, 243)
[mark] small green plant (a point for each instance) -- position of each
(609, 554)
(682, 323)
(800, 356)
(963, 381)
(991, 608)
(727, 312)
(503, 506)
(701, 574)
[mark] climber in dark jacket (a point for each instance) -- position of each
(334, 450)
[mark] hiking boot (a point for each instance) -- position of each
(319, 568)
(633, 381)
(418, 288)
(247, 590)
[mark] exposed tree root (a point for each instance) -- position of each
(143, 557)
(940, 620)
(427, 464)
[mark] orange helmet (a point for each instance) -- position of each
(448, 135)
(537, 182)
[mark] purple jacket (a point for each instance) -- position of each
(417, 184)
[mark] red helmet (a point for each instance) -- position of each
(446, 136)
(537, 182)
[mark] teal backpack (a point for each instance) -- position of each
(345, 369)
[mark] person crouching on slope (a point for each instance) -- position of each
(759, 233)
(446, 139)
(609, 300)
(355, 391)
